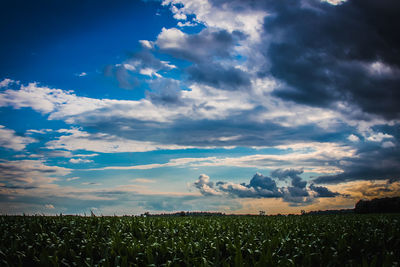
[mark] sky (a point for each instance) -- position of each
(125, 107)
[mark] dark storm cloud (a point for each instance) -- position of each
(323, 191)
(324, 53)
(204, 50)
(297, 193)
(218, 76)
(259, 187)
(282, 174)
(372, 162)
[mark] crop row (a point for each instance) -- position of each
(317, 240)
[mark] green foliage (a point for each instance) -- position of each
(318, 240)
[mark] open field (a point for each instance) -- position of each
(310, 240)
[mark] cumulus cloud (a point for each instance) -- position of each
(296, 193)
(205, 50)
(6, 82)
(236, 16)
(353, 138)
(146, 44)
(205, 186)
(378, 137)
(261, 186)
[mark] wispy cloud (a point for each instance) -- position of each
(10, 140)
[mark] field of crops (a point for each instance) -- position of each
(310, 240)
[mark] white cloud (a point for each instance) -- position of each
(388, 144)
(168, 65)
(146, 44)
(201, 102)
(41, 99)
(178, 14)
(82, 74)
(149, 72)
(86, 155)
(130, 67)
(66, 105)
(205, 186)
(313, 157)
(72, 178)
(255, 105)
(378, 137)
(171, 38)
(233, 16)
(49, 206)
(101, 142)
(79, 160)
(30, 172)
(9, 139)
(334, 2)
(186, 24)
(59, 153)
(6, 82)
(42, 131)
(353, 138)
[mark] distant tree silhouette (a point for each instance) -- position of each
(378, 205)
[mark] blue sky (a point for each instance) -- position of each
(123, 107)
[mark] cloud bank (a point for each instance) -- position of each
(261, 186)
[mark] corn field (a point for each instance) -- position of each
(310, 240)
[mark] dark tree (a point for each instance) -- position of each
(378, 205)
